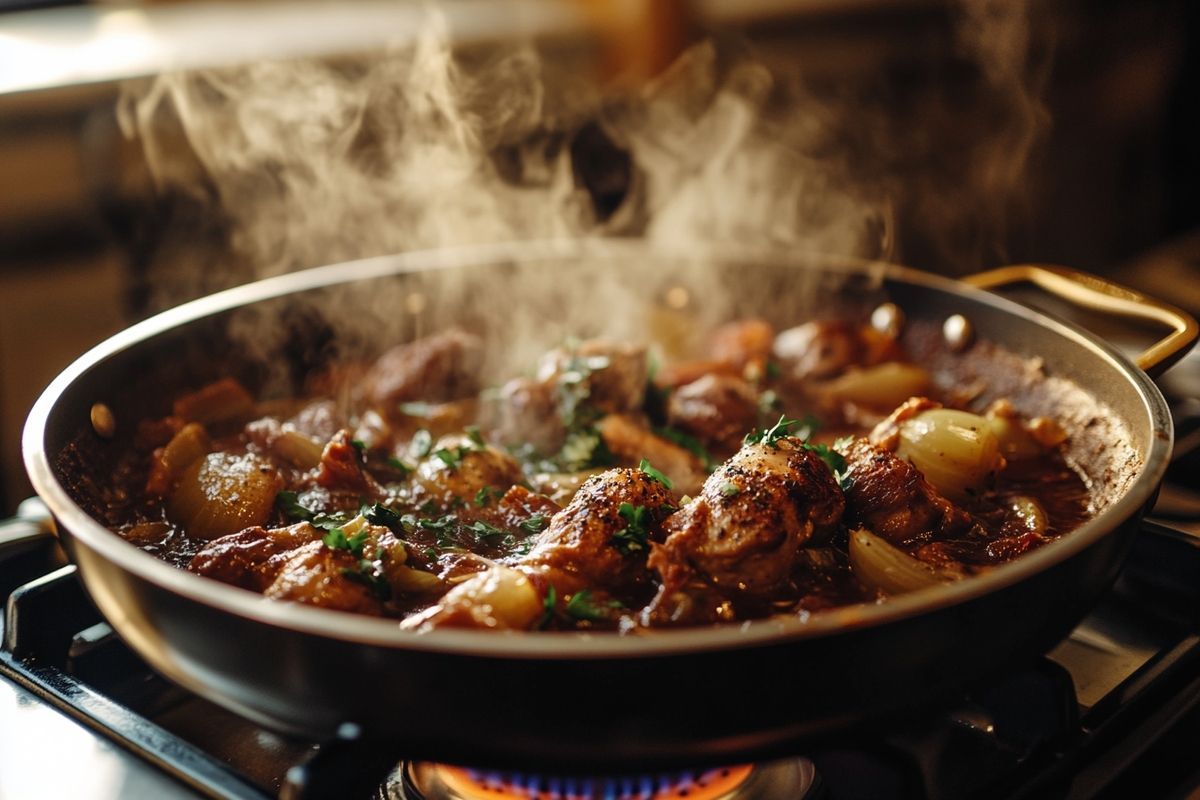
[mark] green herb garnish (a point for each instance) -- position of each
(834, 460)
(730, 489)
(780, 430)
(450, 457)
(484, 531)
(486, 495)
(582, 607)
(370, 577)
(634, 536)
(379, 514)
(289, 503)
(646, 467)
(336, 539)
(475, 436)
(549, 605)
(535, 524)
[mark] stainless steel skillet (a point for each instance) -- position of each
(576, 700)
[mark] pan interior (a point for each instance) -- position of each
(274, 334)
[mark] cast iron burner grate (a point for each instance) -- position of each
(1113, 708)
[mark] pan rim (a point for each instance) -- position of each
(386, 633)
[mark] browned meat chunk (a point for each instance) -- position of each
(717, 409)
(342, 468)
(443, 366)
(519, 505)
(320, 420)
(742, 536)
(602, 377)
(592, 544)
(745, 345)
(822, 349)
(631, 441)
(243, 558)
(598, 542)
(457, 469)
(318, 575)
(890, 498)
(526, 411)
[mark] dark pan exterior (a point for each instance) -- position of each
(574, 701)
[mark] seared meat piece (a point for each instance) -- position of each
(342, 468)
(320, 420)
(318, 575)
(243, 558)
(631, 441)
(519, 505)
(742, 536)
(295, 563)
(890, 498)
(526, 412)
(717, 409)
(457, 468)
(822, 349)
(603, 377)
(737, 349)
(745, 345)
(443, 366)
(590, 545)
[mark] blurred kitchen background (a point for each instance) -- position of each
(953, 136)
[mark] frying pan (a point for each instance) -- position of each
(590, 700)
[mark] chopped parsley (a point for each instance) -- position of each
(475, 436)
(379, 514)
(549, 605)
(336, 539)
(484, 531)
(646, 467)
(635, 535)
(359, 445)
(730, 489)
(368, 574)
(289, 503)
(834, 460)
(535, 524)
(780, 430)
(451, 457)
(582, 607)
(486, 495)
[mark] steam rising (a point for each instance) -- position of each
(320, 161)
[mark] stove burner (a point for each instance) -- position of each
(787, 780)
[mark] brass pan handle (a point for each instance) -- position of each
(1097, 293)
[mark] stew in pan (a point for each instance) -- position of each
(784, 472)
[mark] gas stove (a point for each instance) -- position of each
(1112, 710)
